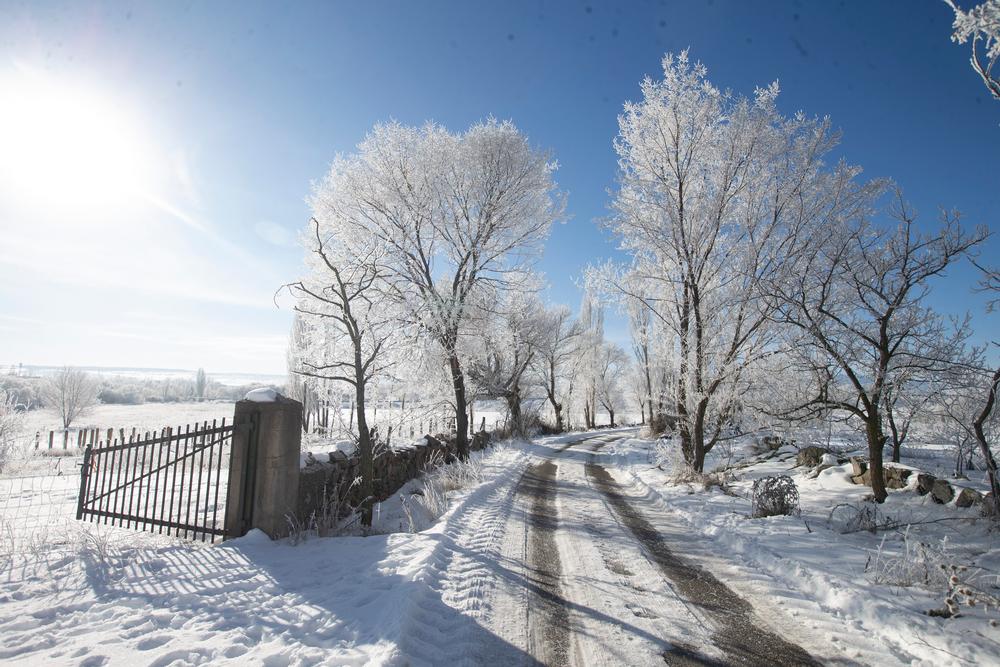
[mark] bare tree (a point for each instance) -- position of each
(590, 338)
(71, 393)
(907, 394)
(343, 296)
(856, 302)
(11, 424)
(612, 367)
(554, 359)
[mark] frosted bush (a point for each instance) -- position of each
(866, 515)
(775, 496)
(13, 448)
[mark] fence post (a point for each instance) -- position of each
(264, 467)
(84, 483)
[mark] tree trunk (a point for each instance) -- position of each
(984, 447)
(876, 445)
(461, 416)
(365, 445)
(611, 414)
(897, 442)
(514, 410)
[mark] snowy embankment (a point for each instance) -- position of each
(110, 596)
(857, 592)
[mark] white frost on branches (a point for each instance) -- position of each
(980, 24)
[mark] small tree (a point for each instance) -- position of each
(510, 347)
(200, 383)
(612, 366)
(70, 393)
(353, 329)
(555, 355)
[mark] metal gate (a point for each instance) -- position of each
(173, 481)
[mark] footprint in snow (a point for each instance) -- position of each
(640, 611)
(152, 642)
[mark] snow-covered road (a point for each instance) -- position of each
(588, 581)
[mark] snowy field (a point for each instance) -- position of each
(145, 417)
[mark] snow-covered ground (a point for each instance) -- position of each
(454, 572)
(859, 592)
(90, 594)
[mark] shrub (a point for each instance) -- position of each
(775, 496)
(866, 515)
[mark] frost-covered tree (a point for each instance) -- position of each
(12, 448)
(612, 370)
(585, 373)
(70, 393)
(200, 384)
(981, 25)
(511, 344)
(857, 303)
(352, 327)
(554, 361)
(458, 216)
(714, 192)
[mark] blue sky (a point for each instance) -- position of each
(237, 107)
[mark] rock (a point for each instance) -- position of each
(338, 457)
(864, 478)
(925, 483)
(968, 497)
(772, 442)
(810, 456)
(896, 478)
(942, 492)
(859, 464)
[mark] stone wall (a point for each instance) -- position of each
(394, 468)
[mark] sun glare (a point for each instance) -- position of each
(66, 147)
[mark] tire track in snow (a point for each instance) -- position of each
(737, 634)
(446, 624)
(548, 617)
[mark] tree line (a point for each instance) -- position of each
(766, 281)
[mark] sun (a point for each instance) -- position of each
(65, 146)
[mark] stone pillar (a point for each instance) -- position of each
(264, 466)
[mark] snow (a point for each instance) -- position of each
(262, 395)
(820, 581)
(429, 589)
(114, 596)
